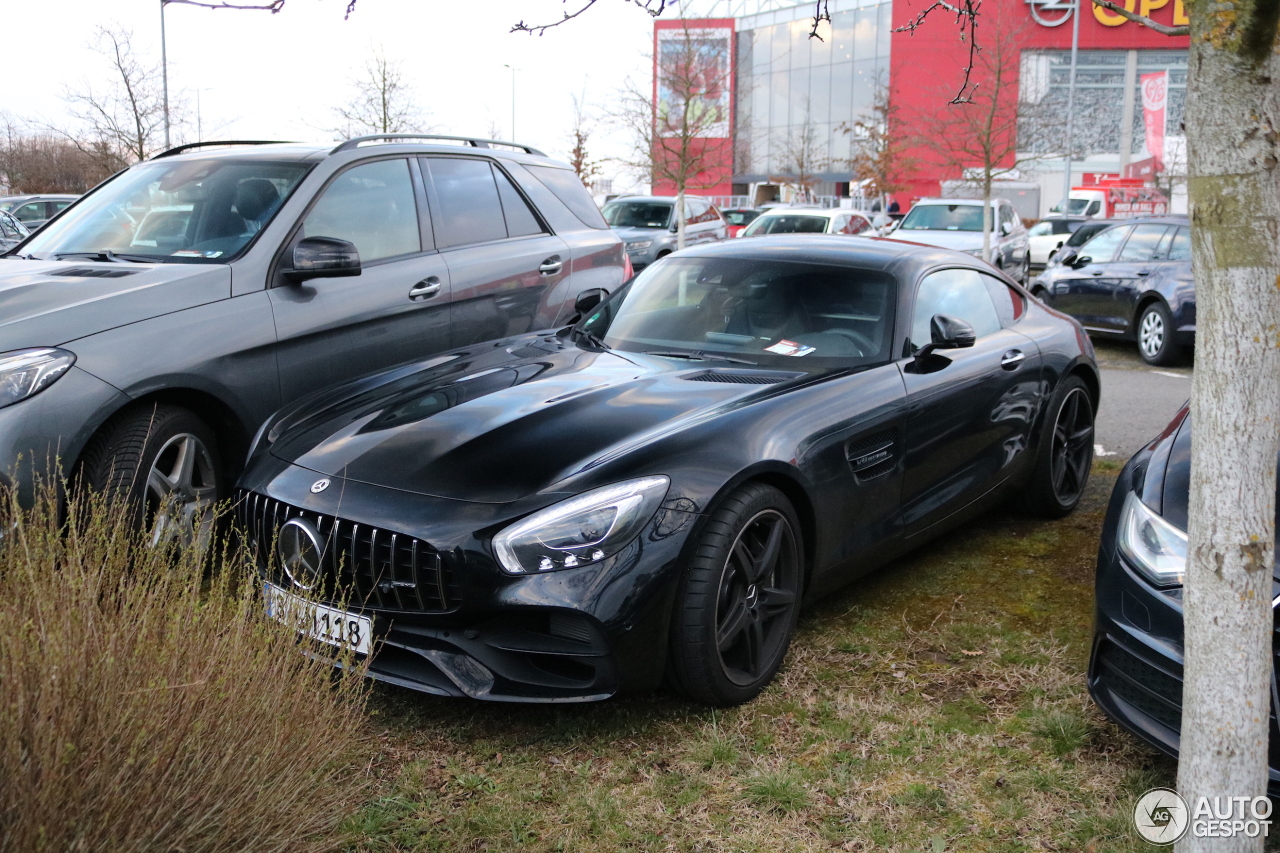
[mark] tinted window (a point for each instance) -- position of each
(469, 206)
(371, 205)
(788, 224)
(59, 206)
(566, 186)
(637, 214)
(1181, 248)
(1082, 234)
(520, 219)
(1009, 303)
(956, 293)
(943, 217)
(1142, 244)
(740, 217)
(1103, 248)
(30, 212)
(857, 224)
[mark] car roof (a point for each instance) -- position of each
(965, 201)
(317, 151)
(869, 252)
(805, 211)
(665, 199)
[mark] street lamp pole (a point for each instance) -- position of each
(513, 99)
(1071, 107)
(164, 75)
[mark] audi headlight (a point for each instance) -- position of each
(1152, 545)
(639, 244)
(25, 372)
(582, 530)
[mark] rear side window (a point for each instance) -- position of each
(470, 209)
(1009, 303)
(1180, 250)
(520, 219)
(1142, 244)
(565, 185)
(371, 205)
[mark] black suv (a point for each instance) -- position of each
(148, 330)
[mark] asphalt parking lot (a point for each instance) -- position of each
(1138, 400)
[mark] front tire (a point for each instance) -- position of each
(1155, 336)
(1065, 455)
(738, 599)
(163, 461)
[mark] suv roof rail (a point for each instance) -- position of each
(356, 142)
(179, 149)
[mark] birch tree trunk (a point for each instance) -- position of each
(679, 219)
(1233, 134)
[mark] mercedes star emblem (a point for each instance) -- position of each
(319, 485)
(301, 553)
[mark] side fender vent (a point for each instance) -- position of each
(874, 455)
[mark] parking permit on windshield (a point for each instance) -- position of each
(785, 347)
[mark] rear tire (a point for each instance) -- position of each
(738, 599)
(1155, 336)
(1065, 455)
(163, 461)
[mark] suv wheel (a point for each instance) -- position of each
(162, 460)
(1155, 336)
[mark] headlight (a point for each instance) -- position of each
(582, 530)
(25, 372)
(1154, 546)
(639, 244)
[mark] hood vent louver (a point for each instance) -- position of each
(91, 272)
(738, 378)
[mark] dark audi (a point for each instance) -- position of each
(652, 492)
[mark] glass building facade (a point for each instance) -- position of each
(797, 97)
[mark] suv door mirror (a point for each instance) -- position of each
(946, 332)
(323, 257)
(1080, 261)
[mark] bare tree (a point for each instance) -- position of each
(33, 161)
(583, 166)
(880, 161)
(383, 101)
(681, 138)
(801, 155)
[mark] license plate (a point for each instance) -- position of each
(326, 624)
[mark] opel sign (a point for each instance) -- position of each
(1051, 13)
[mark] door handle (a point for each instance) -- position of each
(1096, 272)
(1144, 272)
(425, 289)
(1011, 359)
(551, 265)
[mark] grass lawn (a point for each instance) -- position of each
(938, 704)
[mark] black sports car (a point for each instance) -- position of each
(1135, 670)
(653, 491)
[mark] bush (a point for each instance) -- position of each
(147, 704)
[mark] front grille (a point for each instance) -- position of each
(373, 567)
(1153, 692)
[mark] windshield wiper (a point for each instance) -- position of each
(590, 337)
(106, 256)
(698, 355)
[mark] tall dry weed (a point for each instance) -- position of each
(147, 704)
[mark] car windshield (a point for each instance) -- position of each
(788, 223)
(771, 313)
(1072, 205)
(943, 217)
(637, 214)
(740, 217)
(180, 211)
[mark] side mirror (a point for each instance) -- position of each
(946, 332)
(323, 257)
(1066, 256)
(1081, 261)
(589, 299)
(1005, 229)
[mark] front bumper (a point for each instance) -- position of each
(447, 620)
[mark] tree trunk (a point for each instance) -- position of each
(679, 219)
(986, 217)
(1233, 111)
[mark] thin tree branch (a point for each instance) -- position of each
(821, 12)
(653, 7)
(967, 20)
(273, 6)
(1143, 19)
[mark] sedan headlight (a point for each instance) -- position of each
(639, 244)
(1152, 545)
(582, 530)
(25, 372)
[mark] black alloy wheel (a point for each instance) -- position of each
(738, 600)
(1065, 456)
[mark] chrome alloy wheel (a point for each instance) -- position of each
(1151, 333)
(757, 597)
(180, 492)
(1072, 446)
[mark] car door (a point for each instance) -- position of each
(969, 410)
(502, 258)
(1130, 275)
(1084, 289)
(397, 310)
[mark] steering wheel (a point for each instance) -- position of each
(862, 342)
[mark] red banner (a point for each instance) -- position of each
(1155, 96)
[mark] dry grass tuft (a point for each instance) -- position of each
(149, 705)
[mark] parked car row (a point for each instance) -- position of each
(33, 211)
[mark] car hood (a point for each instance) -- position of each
(508, 424)
(48, 303)
(629, 234)
(961, 241)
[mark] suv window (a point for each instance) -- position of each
(30, 212)
(565, 185)
(520, 219)
(470, 209)
(957, 293)
(1142, 244)
(371, 205)
(1102, 249)
(1180, 250)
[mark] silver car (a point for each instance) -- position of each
(647, 225)
(956, 223)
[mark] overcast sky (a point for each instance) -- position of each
(264, 76)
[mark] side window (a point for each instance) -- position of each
(957, 293)
(1102, 248)
(1094, 207)
(858, 224)
(1180, 249)
(30, 212)
(59, 206)
(371, 205)
(695, 211)
(1141, 246)
(1009, 303)
(520, 219)
(469, 205)
(564, 184)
